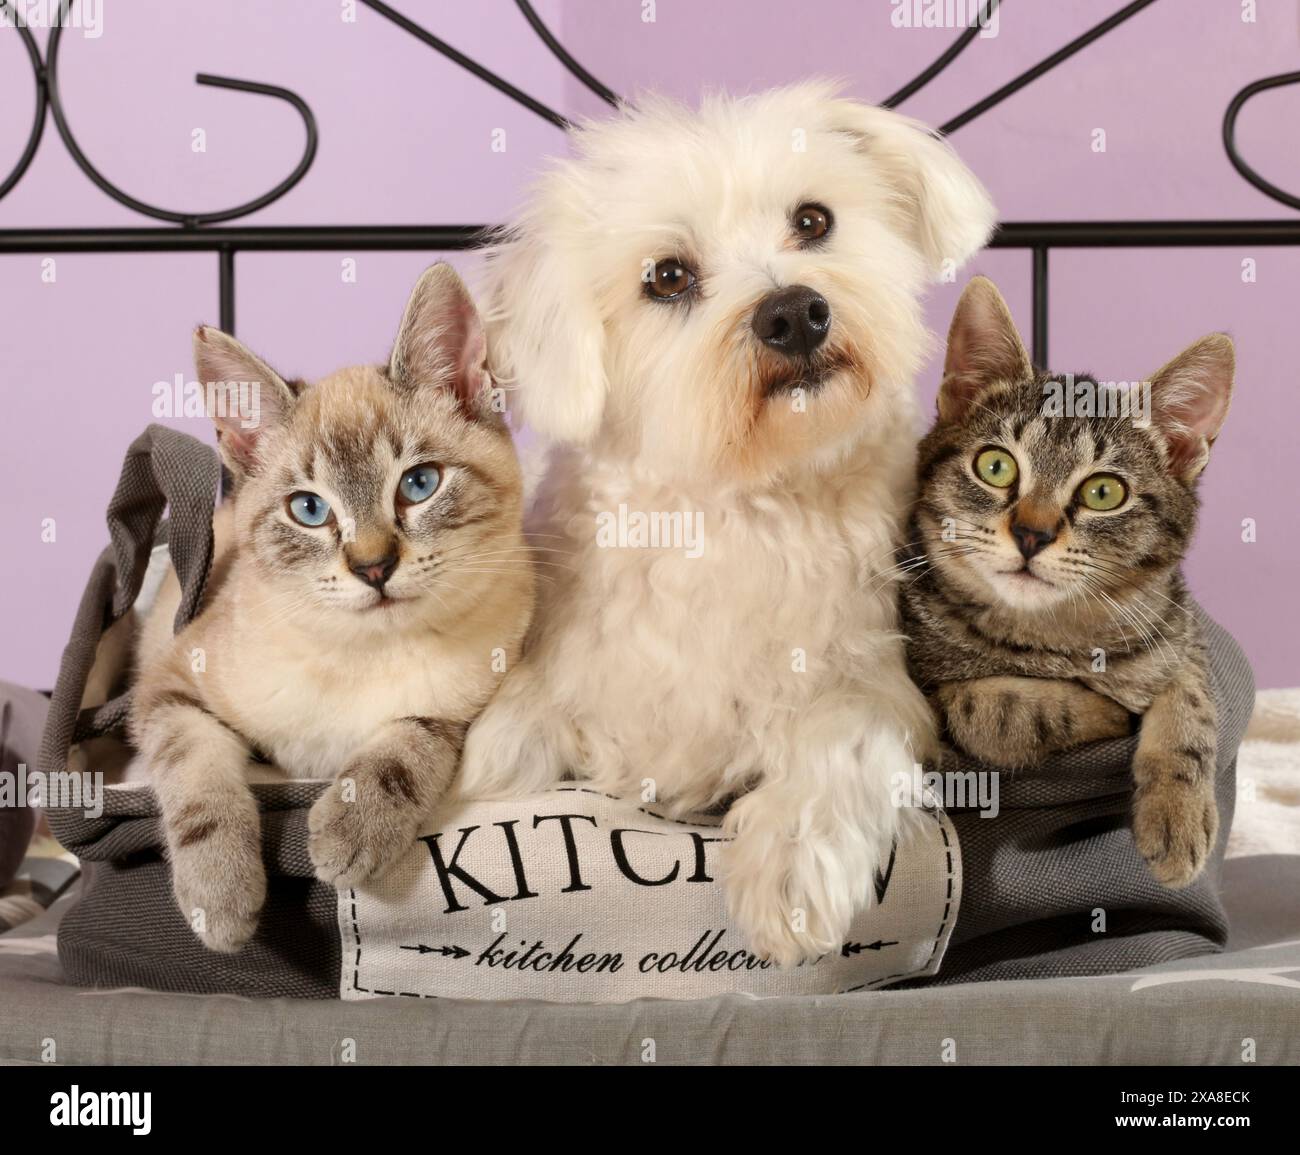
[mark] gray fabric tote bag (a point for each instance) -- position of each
(1033, 881)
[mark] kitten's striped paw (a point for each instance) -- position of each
(359, 828)
(1175, 819)
(220, 887)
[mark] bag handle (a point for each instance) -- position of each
(164, 469)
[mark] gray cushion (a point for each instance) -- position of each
(1193, 1012)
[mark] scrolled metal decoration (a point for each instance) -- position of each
(468, 63)
(48, 95)
(188, 219)
(986, 13)
(1230, 136)
(562, 54)
(38, 121)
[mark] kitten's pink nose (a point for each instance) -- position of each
(376, 573)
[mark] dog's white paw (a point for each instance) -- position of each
(783, 904)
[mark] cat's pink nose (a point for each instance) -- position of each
(376, 573)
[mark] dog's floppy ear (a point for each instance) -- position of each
(949, 211)
(546, 339)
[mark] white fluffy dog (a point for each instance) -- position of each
(716, 314)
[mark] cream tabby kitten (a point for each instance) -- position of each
(369, 587)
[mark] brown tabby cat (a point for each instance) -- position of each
(1047, 603)
(369, 589)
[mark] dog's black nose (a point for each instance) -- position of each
(1032, 540)
(793, 320)
(376, 573)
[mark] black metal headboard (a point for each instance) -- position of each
(191, 232)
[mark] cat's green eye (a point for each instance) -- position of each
(309, 509)
(1103, 491)
(996, 467)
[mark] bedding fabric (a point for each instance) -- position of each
(1223, 1009)
(1268, 778)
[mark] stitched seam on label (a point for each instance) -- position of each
(356, 965)
(943, 922)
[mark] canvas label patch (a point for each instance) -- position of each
(570, 896)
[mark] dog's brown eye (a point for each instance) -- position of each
(670, 279)
(812, 222)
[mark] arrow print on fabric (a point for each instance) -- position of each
(449, 951)
(852, 948)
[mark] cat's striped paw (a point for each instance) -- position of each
(358, 829)
(1175, 819)
(220, 887)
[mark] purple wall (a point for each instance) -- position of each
(406, 138)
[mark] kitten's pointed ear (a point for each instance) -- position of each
(984, 347)
(441, 343)
(1189, 400)
(245, 396)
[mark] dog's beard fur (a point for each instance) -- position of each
(770, 664)
(766, 416)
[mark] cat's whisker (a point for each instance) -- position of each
(280, 602)
(528, 549)
(519, 564)
(501, 563)
(1155, 623)
(1109, 615)
(1106, 568)
(1098, 594)
(912, 543)
(925, 561)
(917, 572)
(1149, 639)
(1153, 620)
(523, 562)
(441, 579)
(549, 578)
(969, 524)
(521, 553)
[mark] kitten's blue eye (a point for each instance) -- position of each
(418, 484)
(309, 509)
